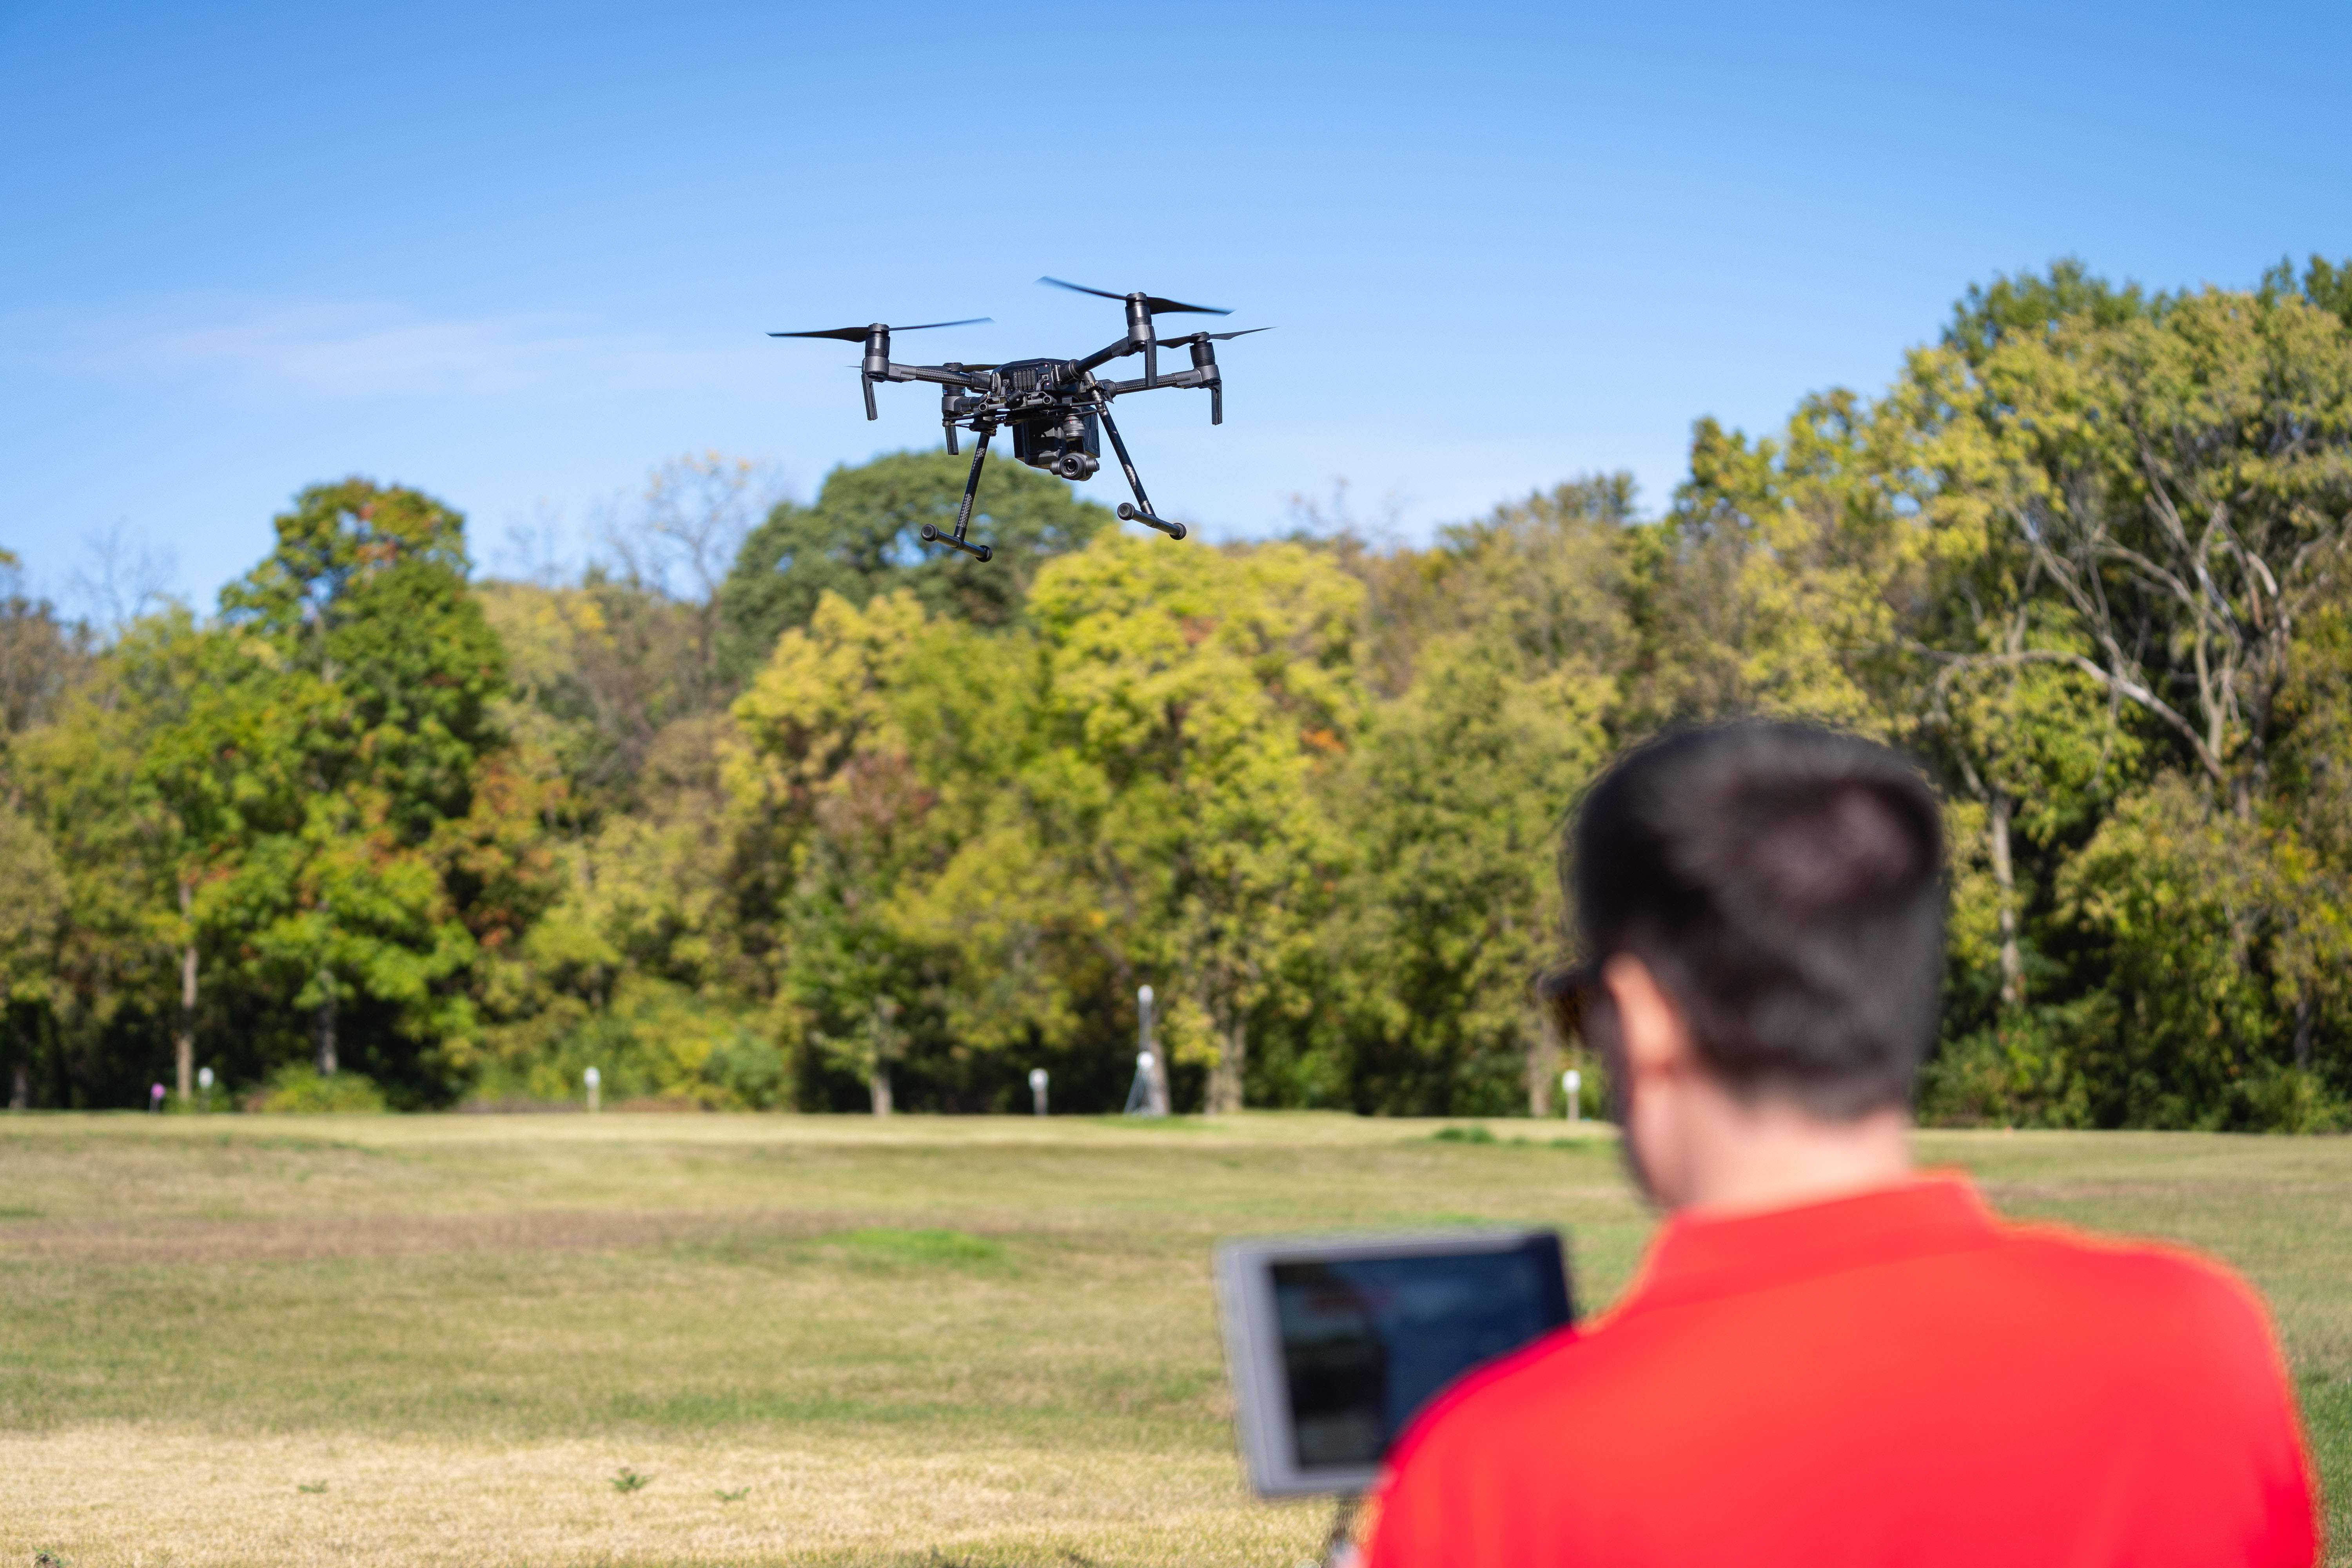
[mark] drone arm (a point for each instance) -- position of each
(1199, 376)
(938, 374)
(1103, 356)
(1142, 511)
(1181, 378)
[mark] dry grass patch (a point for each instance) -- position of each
(118, 1494)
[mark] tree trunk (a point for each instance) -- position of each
(1543, 1065)
(20, 1086)
(2013, 966)
(183, 1041)
(325, 1022)
(2303, 1035)
(877, 1084)
(1225, 1078)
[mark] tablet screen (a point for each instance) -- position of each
(1367, 1341)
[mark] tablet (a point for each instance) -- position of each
(1333, 1343)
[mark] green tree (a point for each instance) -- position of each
(359, 714)
(830, 765)
(98, 779)
(1197, 696)
(2029, 747)
(2178, 479)
(1453, 797)
(32, 900)
(862, 538)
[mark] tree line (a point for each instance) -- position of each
(769, 808)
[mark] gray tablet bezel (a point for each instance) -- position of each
(1252, 1338)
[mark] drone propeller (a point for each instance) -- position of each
(1209, 337)
(1152, 303)
(1141, 308)
(858, 334)
(877, 339)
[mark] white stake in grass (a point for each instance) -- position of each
(1142, 1098)
(1158, 1101)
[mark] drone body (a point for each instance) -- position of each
(1056, 408)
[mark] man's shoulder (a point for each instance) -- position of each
(2150, 1272)
(2118, 1280)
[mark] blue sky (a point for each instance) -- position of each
(518, 256)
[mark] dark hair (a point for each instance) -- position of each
(1785, 885)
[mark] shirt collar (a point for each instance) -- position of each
(1696, 1257)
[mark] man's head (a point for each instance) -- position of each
(1772, 896)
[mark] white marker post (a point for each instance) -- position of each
(1037, 1088)
(595, 1081)
(1139, 1093)
(1572, 1081)
(1147, 1054)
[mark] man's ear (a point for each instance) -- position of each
(1653, 1036)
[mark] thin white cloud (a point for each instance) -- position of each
(348, 350)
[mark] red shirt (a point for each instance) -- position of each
(1894, 1378)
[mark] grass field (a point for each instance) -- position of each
(456, 1340)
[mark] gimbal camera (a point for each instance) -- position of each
(1056, 408)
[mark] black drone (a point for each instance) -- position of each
(1056, 406)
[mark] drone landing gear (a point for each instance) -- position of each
(1141, 510)
(964, 511)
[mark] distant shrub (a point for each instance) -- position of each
(1462, 1135)
(2289, 1099)
(300, 1090)
(654, 1041)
